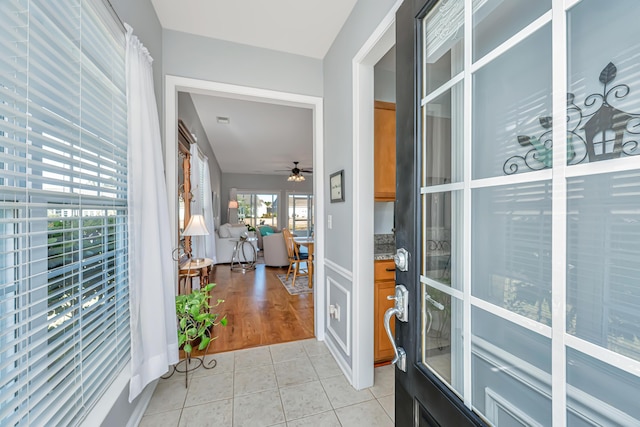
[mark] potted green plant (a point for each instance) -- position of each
(195, 319)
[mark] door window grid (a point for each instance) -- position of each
(560, 149)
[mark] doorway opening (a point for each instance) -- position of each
(378, 44)
(176, 84)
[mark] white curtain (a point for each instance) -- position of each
(197, 242)
(207, 206)
(154, 339)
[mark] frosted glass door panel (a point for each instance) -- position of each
(443, 138)
(512, 94)
(506, 361)
(511, 248)
(495, 21)
(602, 394)
(443, 44)
(442, 336)
(603, 274)
(603, 80)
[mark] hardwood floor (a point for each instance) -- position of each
(259, 309)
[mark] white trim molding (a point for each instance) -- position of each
(173, 84)
(345, 346)
(375, 47)
(344, 366)
(331, 265)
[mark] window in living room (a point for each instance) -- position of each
(300, 214)
(258, 208)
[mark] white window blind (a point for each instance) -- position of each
(64, 322)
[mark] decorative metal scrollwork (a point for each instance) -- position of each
(604, 131)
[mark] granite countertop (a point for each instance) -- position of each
(384, 246)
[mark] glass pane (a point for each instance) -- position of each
(442, 335)
(604, 84)
(443, 128)
(511, 109)
(511, 372)
(258, 209)
(300, 220)
(441, 234)
(495, 21)
(603, 274)
(600, 394)
(443, 44)
(511, 248)
(267, 209)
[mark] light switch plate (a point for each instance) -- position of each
(329, 225)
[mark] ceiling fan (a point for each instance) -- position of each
(296, 173)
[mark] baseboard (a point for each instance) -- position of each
(143, 402)
(337, 355)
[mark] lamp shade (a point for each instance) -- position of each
(196, 227)
(233, 204)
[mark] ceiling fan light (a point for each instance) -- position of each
(296, 177)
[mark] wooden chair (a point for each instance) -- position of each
(295, 257)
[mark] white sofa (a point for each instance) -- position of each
(227, 236)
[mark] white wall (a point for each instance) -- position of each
(338, 127)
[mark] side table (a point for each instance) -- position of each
(244, 255)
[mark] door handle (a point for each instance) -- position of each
(400, 310)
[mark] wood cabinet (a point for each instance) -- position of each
(384, 285)
(384, 151)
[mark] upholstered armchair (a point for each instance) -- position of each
(275, 250)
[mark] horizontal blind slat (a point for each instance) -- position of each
(63, 209)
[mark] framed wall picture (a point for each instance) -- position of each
(336, 186)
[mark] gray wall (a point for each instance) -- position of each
(141, 16)
(188, 114)
(188, 55)
(383, 217)
(338, 131)
(267, 183)
(384, 85)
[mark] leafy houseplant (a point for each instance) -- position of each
(195, 319)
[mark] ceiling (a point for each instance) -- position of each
(302, 27)
(261, 138)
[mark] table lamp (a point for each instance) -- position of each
(196, 227)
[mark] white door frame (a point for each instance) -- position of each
(381, 40)
(173, 84)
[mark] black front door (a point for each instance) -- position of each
(518, 188)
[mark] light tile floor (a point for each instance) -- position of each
(293, 384)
